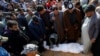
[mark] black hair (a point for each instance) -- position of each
(35, 18)
(89, 8)
(11, 23)
(39, 8)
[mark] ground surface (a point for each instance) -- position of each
(51, 53)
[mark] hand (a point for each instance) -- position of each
(93, 40)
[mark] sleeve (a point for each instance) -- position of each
(97, 26)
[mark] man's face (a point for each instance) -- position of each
(14, 28)
(42, 12)
(22, 12)
(89, 14)
(13, 17)
(55, 12)
(30, 12)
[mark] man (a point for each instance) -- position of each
(3, 52)
(23, 24)
(72, 23)
(29, 15)
(37, 31)
(57, 16)
(45, 19)
(90, 30)
(16, 38)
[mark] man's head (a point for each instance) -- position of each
(21, 11)
(55, 10)
(10, 7)
(89, 10)
(12, 25)
(41, 9)
(29, 11)
(13, 16)
(30, 50)
(35, 19)
(70, 7)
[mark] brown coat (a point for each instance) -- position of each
(72, 31)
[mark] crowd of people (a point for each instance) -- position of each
(33, 22)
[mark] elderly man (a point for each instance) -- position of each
(72, 22)
(30, 50)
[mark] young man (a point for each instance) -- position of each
(16, 38)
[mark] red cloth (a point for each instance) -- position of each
(50, 4)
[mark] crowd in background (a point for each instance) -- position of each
(36, 21)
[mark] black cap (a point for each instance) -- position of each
(39, 8)
(35, 18)
(89, 8)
